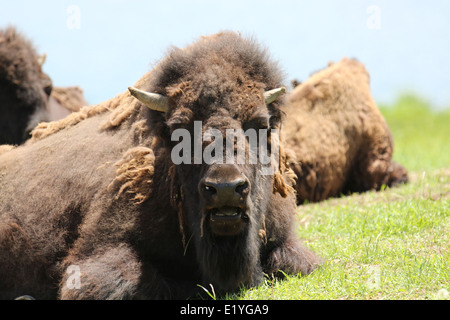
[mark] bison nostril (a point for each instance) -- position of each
(209, 189)
(241, 186)
(225, 189)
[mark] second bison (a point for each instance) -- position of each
(338, 138)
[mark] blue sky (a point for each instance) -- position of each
(106, 45)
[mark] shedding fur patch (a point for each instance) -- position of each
(45, 129)
(262, 233)
(5, 148)
(135, 174)
(280, 185)
(121, 108)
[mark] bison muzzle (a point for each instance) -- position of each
(224, 191)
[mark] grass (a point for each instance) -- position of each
(422, 137)
(393, 244)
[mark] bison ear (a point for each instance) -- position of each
(271, 95)
(154, 101)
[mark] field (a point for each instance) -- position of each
(393, 244)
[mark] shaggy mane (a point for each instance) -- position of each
(240, 52)
(16, 55)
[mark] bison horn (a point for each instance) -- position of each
(271, 95)
(154, 101)
(41, 59)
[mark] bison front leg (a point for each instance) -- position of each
(111, 274)
(282, 250)
(290, 257)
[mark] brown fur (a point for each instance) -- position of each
(338, 138)
(98, 190)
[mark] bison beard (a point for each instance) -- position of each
(227, 262)
(104, 196)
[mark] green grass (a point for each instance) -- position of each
(393, 244)
(421, 137)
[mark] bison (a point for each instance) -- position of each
(24, 87)
(94, 207)
(27, 95)
(338, 140)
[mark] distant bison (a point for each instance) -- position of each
(24, 87)
(27, 95)
(339, 140)
(94, 207)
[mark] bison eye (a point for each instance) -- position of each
(48, 89)
(256, 124)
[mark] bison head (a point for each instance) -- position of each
(217, 109)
